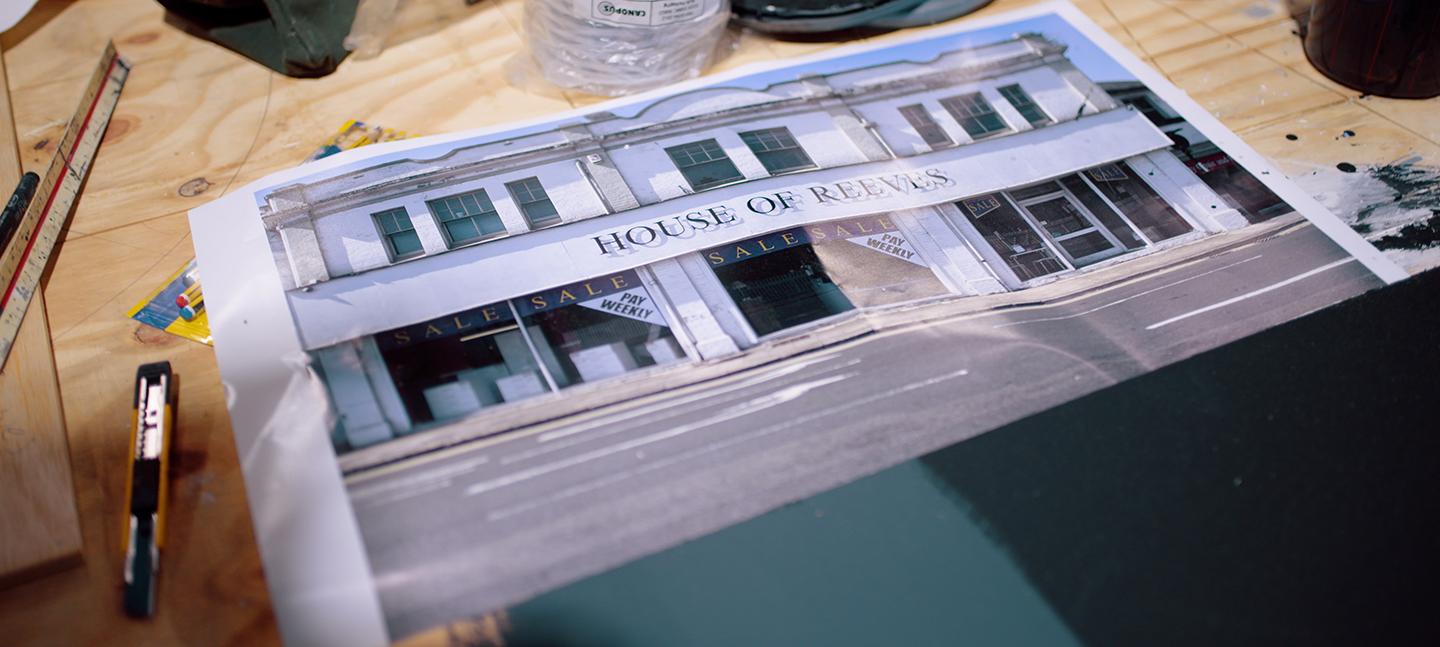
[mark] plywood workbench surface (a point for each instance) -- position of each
(196, 121)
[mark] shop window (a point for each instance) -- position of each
(454, 365)
(466, 218)
(534, 202)
(1021, 247)
(401, 241)
(777, 285)
(1024, 105)
(597, 329)
(925, 126)
(1237, 186)
(797, 276)
(704, 164)
(975, 115)
(777, 150)
(1149, 212)
(1107, 216)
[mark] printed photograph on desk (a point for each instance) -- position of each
(477, 367)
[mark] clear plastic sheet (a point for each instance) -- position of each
(618, 48)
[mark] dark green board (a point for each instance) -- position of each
(1281, 490)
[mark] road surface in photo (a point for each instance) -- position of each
(491, 523)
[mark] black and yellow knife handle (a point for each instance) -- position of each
(146, 485)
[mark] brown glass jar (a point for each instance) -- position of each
(1389, 48)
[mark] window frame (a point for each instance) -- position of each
(1028, 101)
(385, 237)
(450, 242)
(915, 112)
(671, 151)
(964, 113)
(779, 133)
(522, 204)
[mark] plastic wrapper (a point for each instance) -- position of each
(618, 47)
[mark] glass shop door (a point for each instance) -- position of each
(1076, 231)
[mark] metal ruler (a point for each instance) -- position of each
(24, 260)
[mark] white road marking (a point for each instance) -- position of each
(769, 400)
(702, 394)
(615, 429)
(726, 442)
(428, 481)
(1133, 296)
(1253, 293)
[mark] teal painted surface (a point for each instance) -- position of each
(893, 559)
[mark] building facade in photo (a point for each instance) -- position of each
(1236, 186)
(713, 220)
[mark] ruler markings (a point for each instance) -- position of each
(28, 266)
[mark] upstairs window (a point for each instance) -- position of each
(401, 241)
(925, 126)
(534, 202)
(777, 150)
(466, 218)
(704, 164)
(1024, 105)
(975, 115)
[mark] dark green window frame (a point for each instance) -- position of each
(534, 202)
(1025, 105)
(704, 164)
(777, 149)
(975, 115)
(398, 232)
(925, 125)
(466, 218)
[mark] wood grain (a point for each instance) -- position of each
(195, 111)
(42, 529)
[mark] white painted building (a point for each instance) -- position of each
(713, 220)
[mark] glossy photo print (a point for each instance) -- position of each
(469, 369)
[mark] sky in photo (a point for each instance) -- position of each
(1091, 60)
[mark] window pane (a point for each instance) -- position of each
(787, 278)
(461, 230)
(405, 243)
(459, 363)
(468, 204)
(710, 174)
(1024, 105)
(1021, 247)
(777, 150)
(541, 211)
(1138, 202)
(597, 329)
(1107, 216)
(780, 289)
(489, 223)
(1058, 216)
(1082, 246)
(975, 114)
(925, 125)
(704, 164)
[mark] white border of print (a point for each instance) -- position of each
(315, 563)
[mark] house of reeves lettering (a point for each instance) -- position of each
(711, 221)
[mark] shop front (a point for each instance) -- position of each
(797, 276)
(1073, 221)
(514, 350)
